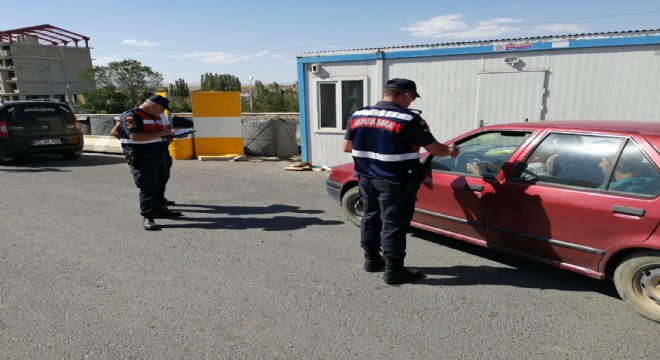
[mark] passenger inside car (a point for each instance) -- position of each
(632, 175)
(537, 163)
(575, 161)
(535, 169)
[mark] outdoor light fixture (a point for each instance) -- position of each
(512, 61)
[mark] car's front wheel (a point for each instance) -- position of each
(351, 205)
(637, 280)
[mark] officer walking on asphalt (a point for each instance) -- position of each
(384, 140)
(143, 140)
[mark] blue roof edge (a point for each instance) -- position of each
(516, 46)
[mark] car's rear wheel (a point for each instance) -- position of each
(637, 280)
(71, 155)
(351, 205)
(6, 160)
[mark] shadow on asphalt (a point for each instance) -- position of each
(276, 223)
(520, 272)
(244, 210)
(56, 163)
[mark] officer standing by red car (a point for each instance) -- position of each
(384, 140)
(143, 140)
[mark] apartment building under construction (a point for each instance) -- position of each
(42, 61)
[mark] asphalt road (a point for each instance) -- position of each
(264, 266)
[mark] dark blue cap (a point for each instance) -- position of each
(402, 84)
(160, 101)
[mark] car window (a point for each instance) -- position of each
(569, 159)
(23, 116)
(482, 154)
(588, 161)
(632, 172)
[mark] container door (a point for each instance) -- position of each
(510, 97)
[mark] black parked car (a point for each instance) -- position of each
(38, 127)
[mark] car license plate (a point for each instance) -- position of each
(46, 142)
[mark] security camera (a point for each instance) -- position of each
(512, 60)
(314, 68)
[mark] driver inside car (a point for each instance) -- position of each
(478, 167)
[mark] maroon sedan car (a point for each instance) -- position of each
(578, 195)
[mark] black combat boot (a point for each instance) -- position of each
(373, 262)
(396, 273)
(165, 213)
(149, 224)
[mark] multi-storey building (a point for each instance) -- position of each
(42, 62)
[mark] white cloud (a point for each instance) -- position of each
(143, 42)
(559, 29)
(453, 26)
(220, 57)
(437, 26)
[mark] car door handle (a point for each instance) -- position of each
(475, 187)
(627, 210)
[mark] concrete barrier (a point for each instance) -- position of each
(101, 143)
(233, 139)
(217, 122)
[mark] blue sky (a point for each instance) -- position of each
(260, 38)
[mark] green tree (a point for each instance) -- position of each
(179, 89)
(104, 100)
(216, 82)
(261, 97)
(290, 98)
(181, 104)
(274, 98)
(127, 77)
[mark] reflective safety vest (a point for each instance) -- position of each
(149, 124)
(380, 149)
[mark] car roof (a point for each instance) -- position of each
(638, 127)
(34, 101)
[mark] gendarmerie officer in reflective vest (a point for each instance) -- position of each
(116, 132)
(143, 140)
(384, 140)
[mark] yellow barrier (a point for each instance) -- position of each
(182, 149)
(218, 127)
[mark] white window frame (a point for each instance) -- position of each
(338, 105)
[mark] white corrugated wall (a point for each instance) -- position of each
(458, 91)
(605, 84)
